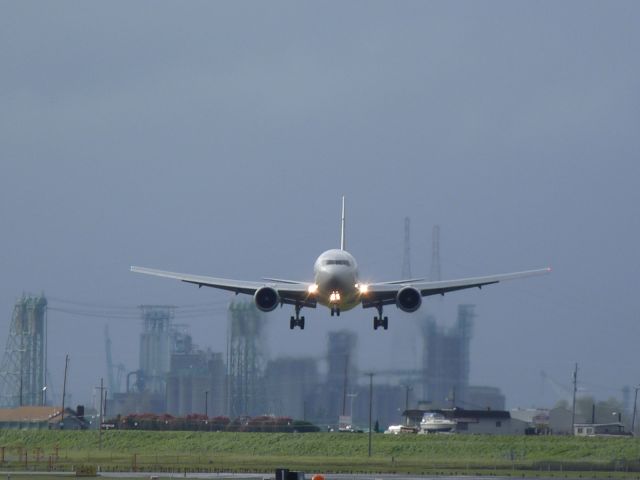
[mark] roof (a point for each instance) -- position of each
(460, 413)
(612, 424)
(457, 413)
(531, 415)
(29, 414)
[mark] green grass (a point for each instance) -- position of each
(145, 450)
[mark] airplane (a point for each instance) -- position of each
(336, 285)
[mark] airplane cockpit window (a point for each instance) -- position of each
(337, 262)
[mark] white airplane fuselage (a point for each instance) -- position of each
(336, 277)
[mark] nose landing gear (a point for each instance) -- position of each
(297, 321)
(334, 299)
(380, 321)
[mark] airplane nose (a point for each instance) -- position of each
(337, 283)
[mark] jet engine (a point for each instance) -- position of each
(266, 298)
(408, 299)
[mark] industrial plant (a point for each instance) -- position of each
(176, 378)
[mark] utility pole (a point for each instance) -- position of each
(100, 413)
(633, 419)
(351, 397)
(573, 409)
(406, 401)
(346, 382)
(64, 388)
(370, 406)
(407, 389)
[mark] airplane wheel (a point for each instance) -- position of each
(385, 323)
(292, 323)
(375, 323)
(333, 311)
(301, 323)
(337, 311)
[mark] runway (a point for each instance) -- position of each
(308, 476)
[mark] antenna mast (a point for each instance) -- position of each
(342, 227)
(406, 258)
(435, 274)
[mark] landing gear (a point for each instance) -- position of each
(380, 321)
(297, 321)
(334, 301)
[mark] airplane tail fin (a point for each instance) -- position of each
(342, 227)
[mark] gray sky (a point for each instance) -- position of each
(217, 138)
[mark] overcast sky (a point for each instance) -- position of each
(217, 138)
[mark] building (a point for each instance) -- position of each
(599, 429)
(245, 359)
(488, 422)
(560, 421)
(537, 419)
(155, 344)
(446, 360)
(135, 402)
(482, 397)
(388, 402)
(41, 418)
(196, 377)
(342, 377)
(290, 383)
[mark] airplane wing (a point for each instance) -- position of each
(385, 293)
(290, 293)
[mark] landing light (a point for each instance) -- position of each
(313, 288)
(364, 288)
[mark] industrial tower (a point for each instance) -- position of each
(22, 373)
(342, 372)
(446, 360)
(115, 373)
(155, 346)
(245, 360)
(407, 331)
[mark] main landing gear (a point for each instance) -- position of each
(335, 311)
(380, 321)
(297, 321)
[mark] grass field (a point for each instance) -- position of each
(327, 452)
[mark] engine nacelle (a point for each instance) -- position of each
(408, 299)
(266, 299)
